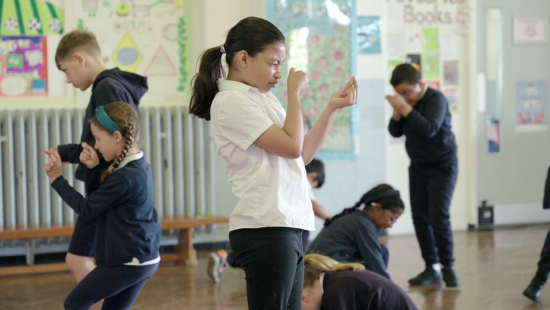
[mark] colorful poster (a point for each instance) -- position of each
(450, 73)
(430, 66)
(31, 17)
(531, 105)
(23, 66)
(452, 98)
(368, 34)
(145, 37)
(319, 34)
(413, 39)
(430, 39)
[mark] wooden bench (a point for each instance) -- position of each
(184, 250)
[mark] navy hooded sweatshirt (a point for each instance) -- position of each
(109, 86)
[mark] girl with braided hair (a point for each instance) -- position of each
(352, 236)
(128, 227)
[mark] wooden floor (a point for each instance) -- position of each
(494, 267)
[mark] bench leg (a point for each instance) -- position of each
(30, 245)
(185, 247)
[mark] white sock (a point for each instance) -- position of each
(436, 267)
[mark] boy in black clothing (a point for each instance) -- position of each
(78, 56)
(422, 115)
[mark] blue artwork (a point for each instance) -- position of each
(368, 34)
(321, 40)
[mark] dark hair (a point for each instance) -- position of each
(392, 201)
(252, 35)
(318, 167)
(405, 73)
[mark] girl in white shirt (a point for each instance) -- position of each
(265, 150)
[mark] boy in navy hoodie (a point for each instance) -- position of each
(79, 57)
(422, 115)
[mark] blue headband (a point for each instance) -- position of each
(386, 194)
(105, 120)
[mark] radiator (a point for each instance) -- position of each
(178, 147)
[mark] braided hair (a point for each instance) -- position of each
(382, 194)
(126, 118)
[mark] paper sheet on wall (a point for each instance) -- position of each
(430, 39)
(23, 66)
(368, 34)
(413, 39)
(450, 73)
(531, 106)
(146, 37)
(396, 48)
(448, 45)
(430, 66)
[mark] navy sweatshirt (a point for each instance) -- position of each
(351, 238)
(128, 225)
(428, 130)
(362, 290)
(109, 86)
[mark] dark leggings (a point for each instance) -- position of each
(273, 262)
(118, 285)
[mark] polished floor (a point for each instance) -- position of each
(495, 266)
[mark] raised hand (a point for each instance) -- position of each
(297, 81)
(89, 156)
(346, 96)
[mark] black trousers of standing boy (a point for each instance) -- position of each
(431, 190)
(544, 262)
(118, 285)
(273, 262)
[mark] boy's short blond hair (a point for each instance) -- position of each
(76, 41)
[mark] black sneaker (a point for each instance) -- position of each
(428, 277)
(534, 289)
(449, 276)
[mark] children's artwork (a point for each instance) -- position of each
(415, 61)
(433, 84)
(450, 72)
(493, 136)
(23, 66)
(31, 17)
(147, 37)
(413, 39)
(321, 42)
(430, 39)
(430, 66)
(452, 98)
(530, 30)
(368, 34)
(531, 103)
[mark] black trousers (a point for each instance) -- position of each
(232, 260)
(273, 262)
(544, 262)
(118, 285)
(431, 190)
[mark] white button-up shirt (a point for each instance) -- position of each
(272, 191)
